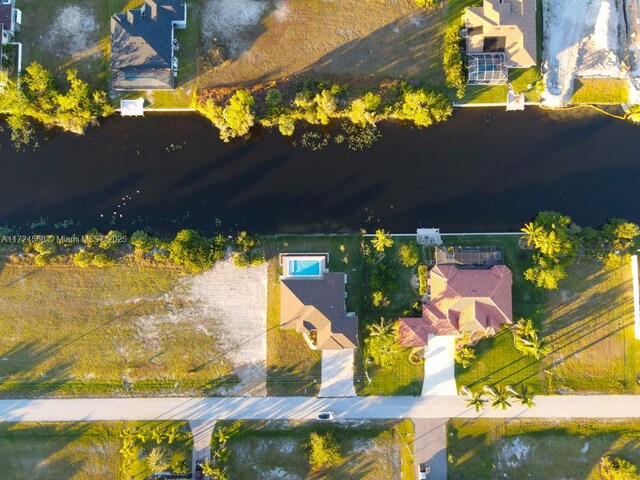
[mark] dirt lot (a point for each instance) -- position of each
(72, 34)
(126, 329)
(338, 39)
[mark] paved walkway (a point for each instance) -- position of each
(306, 408)
(430, 446)
(202, 430)
(337, 374)
(439, 368)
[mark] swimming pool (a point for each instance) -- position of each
(304, 267)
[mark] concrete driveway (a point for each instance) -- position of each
(337, 373)
(439, 371)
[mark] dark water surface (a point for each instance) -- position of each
(480, 171)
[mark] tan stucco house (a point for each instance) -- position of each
(504, 32)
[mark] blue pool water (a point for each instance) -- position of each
(304, 268)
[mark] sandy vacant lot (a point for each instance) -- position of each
(272, 39)
(580, 41)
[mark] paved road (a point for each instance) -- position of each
(304, 408)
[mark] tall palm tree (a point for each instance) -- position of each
(382, 240)
(526, 328)
(222, 435)
(476, 401)
(532, 233)
(381, 328)
(526, 397)
(499, 396)
(465, 391)
(535, 347)
(549, 244)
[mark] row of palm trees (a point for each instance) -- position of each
(497, 397)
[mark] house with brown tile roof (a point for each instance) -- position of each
(476, 301)
(501, 28)
(315, 307)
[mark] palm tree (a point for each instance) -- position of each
(382, 240)
(526, 397)
(172, 433)
(381, 328)
(526, 328)
(549, 244)
(476, 401)
(222, 435)
(157, 434)
(535, 347)
(465, 391)
(157, 460)
(499, 395)
(633, 114)
(532, 233)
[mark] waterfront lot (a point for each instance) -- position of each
(370, 450)
(341, 40)
(126, 328)
(588, 323)
(482, 449)
(41, 451)
(75, 34)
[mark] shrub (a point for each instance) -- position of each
(43, 259)
(102, 260)
(83, 259)
(363, 110)
(142, 242)
(612, 468)
(423, 107)
(422, 280)
(379, 299)
(464, 354)
(409, 254)
(428, 3)
(452, 61)
(633, 114)
(110, 241)
(323, 450)
(233, 120)
(195, 252)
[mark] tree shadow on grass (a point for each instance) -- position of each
(25, 370)
(293, 380)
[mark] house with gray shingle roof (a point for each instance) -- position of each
(10, 22)
(313, 304)
(143, 45)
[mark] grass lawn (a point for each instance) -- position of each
(589, 323)
(371, 450)
(126, 328)
(600, 91)
(497, 361)
(534, 449)
(76, 450)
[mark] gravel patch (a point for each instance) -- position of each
(234, 21)
(73, 31)
(237, 299)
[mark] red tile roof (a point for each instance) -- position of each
(462, 300)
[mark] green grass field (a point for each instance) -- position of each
(124, 329)
(554, 450)
(75, 451)
(589, 323)
(371, 451)
(600, 91)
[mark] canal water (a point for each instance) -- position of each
(484, 170)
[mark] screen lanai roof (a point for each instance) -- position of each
(487, 68)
